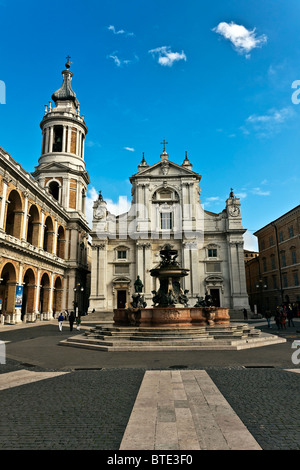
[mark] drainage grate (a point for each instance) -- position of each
(88, 368)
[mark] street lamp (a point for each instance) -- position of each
(260, 285)
(78, 289)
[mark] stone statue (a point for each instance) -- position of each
(183, 298)
(138, 301)
(207, 302)
(138, 285)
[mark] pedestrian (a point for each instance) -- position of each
(71, 320)
(78, 321)
(278, 318)
(268, 316)
(290, 315)
(60, 321)
(245, 314)
(283, 318)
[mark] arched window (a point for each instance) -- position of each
(48, 235)
(57, 138)
(33, 226)
(14, 215)
(60, 249)
(54, 189)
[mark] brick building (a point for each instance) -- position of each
(43, 228)
(279, 260)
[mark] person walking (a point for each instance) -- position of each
(278, 318)
(78, 321)
(268, 316)
(290, 315)
(245, 314)
(60, 321)
(71, 320)
(283, 318)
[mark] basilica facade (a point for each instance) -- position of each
(166, 209)
(43, 228)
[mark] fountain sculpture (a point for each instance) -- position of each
(170, 303)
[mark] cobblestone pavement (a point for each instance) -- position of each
(89, 406)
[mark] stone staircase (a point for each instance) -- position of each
(116, 338)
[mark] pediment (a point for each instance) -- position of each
(53, 167)
(166, 168)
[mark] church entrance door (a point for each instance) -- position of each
(121, 298)
(215, 293)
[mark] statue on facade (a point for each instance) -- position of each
(138, 285)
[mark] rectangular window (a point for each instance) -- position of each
(294, 257)
(283, 261)
(274, 282)
(284, 280)
(212, 252)
(280, 236)
(263, 245)
(166, 220)
(122, 254)
(296, 279)
(291, 231)
(273, 262)
(213, 267)
(271, 240)
(264, 264)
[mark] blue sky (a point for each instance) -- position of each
(212, 78)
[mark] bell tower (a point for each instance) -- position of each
(61, 166)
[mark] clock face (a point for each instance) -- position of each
(234, 210)
(100, 212)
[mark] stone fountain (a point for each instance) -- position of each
(170, 323)
(170, 303)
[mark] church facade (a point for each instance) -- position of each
(166, 209)
(43, 228)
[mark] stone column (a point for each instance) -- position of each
(55, 236)
(37, 293)
(25, 216)
(42, 227)
(3, 203)
(51, 140)
(50, 304)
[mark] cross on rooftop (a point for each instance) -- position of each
(164, 144)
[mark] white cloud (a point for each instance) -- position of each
(250, 241)
(166, 57)
(259, 192)
(130, 149)
(268, 123)
(241, 195)
(120, 31)
(115, 208)
(243, 39)
(119, 62)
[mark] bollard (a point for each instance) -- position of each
(2, 353)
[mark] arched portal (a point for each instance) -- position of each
(28, 292)
(8, 288)
(57, 296)
(44, 293)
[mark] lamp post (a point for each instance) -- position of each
(79, 289)
(260, 285)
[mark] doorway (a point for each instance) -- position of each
(121, 298)
(215, 293)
